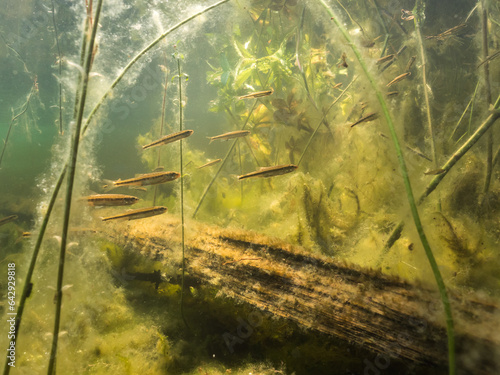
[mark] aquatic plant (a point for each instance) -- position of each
(87, 54)
(409, 192)
(343, 200)
(181, 169)
(71, 170)
(59, 63)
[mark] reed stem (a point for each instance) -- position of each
(28, 285)
(418, 11)
(182, 192)
(487, 87)
(71, 171)
(161, 126)
(59, 57)
(411, 200)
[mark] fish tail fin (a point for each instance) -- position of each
(108, 185)
(211, 139)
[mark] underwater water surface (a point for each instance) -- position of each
(250, 186)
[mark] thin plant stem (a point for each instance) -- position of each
(228, 110)
(24, 296)
(497, 156)
(223, 162)
(418, 9)
(411, 200)
(28, 285)
(464, 112)
(83, 50)
(241, 171)
(59, 57)
(321, 121)
(161, 126)
(25, 108)
(142, 53)
(182, 192)
(483, 128)
(486, 70)
(386, 37)
(71, 171)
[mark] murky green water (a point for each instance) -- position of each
(317, 100)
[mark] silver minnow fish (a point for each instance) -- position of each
(169, 138)
(110, 200)
(209, 163)
(230, 135)
(270, 171)
(148, 179)
(138, 214)
(257, 94)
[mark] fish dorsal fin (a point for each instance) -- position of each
(265, 168)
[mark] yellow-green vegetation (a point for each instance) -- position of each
(347, 194)
(350, 193)
(109, 335)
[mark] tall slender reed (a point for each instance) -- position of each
(409, 193)
(487, 87)
(418, 12)
(162, 123)
(179, 73)
(28, 285)
(71, 171)
(59, 58)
